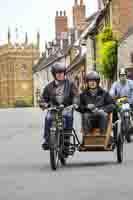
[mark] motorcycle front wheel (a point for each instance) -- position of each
(128, 138)
(63, 161)
(54, 153)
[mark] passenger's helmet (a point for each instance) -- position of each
(122, 71)
(58, 67)
(93, 76)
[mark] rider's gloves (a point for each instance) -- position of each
(91, 107)
(75, 106)
(43, 105)
(61, 106)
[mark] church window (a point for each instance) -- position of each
(24, 71)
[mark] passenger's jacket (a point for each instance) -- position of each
(102, 100)
(70, 91)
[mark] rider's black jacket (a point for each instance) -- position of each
(70, 92)
(102, 100)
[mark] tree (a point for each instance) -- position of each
(107, 61)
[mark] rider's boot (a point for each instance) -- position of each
(45, 146)
(111, 140)
(115, 134)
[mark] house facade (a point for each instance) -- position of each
(125, 53)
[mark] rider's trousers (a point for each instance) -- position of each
(94, 120)
(68, 122)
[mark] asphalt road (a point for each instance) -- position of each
(25, 173)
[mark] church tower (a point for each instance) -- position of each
(16, 78)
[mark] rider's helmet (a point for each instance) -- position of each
(58, 67)
(93, 75)
(122, 71)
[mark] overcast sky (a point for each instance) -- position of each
(33, 16)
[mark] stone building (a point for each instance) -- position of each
(16, 61)
(125, 52)
(122, 20)
(122, 16)
(119, 15)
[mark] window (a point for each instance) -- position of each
(23, 71)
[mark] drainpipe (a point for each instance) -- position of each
(93, 46)
(94, 53)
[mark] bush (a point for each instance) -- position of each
(3, 105)
(107, 61)
(26, 102)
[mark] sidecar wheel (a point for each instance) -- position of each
(128, 138)
(63, 161)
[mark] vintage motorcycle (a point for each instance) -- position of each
(59, 138)
(62, 142)
(125, 116)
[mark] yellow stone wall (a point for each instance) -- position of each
(16, 80)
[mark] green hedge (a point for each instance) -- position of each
(25, 102)
(107, 61)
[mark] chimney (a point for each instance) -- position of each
(100, 4)
(38, 39)
(61, 44)
(9, 36)
(76, 34)
(47, 53)
(26, 39)
(54, 42)
(45, 45)
(46, 50)
(76, 3)
(57, 13)
(69, 39)
(81, 2)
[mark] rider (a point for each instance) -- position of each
(60, 86)
(123, 87)
(95, 97)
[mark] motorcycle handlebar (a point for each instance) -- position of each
(123, 99)
(62, 107)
